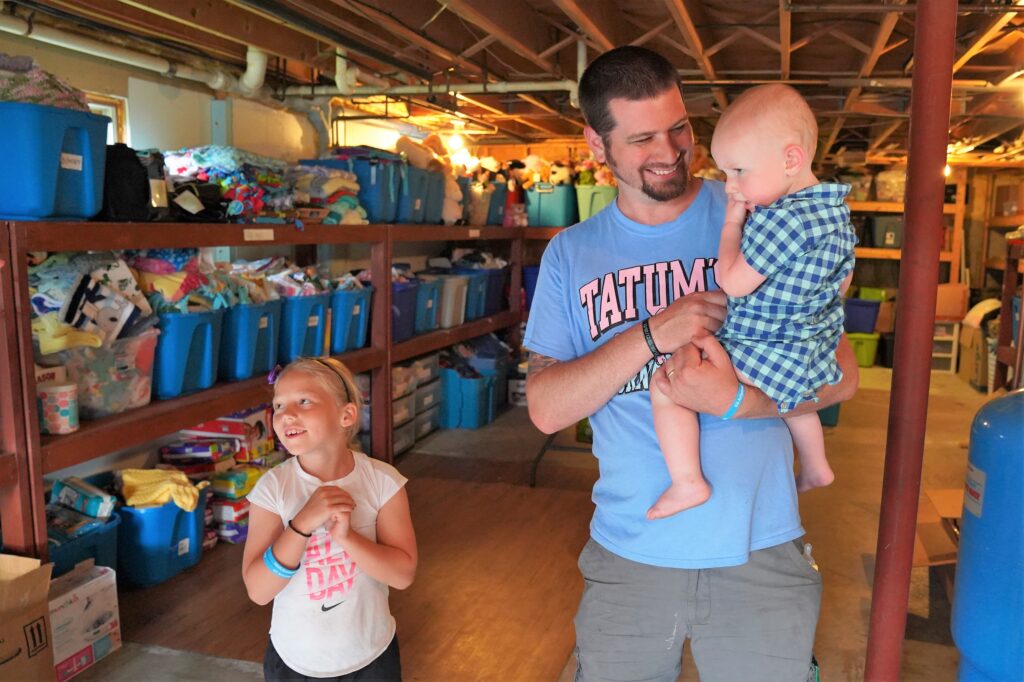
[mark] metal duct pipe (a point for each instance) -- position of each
(466, 88)
(346, 75)
(317, 110)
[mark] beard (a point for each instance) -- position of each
(671, 188)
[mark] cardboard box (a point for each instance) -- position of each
(885, 323)
(973, 357)
(951, 302)
(25, 648)
(252, 428)
(84, 620)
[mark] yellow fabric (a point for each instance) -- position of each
(154, 487)
(54, 335)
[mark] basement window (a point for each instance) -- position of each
(116, 109)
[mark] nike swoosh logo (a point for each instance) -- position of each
(325, 608)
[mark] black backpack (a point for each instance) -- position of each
(125, 186)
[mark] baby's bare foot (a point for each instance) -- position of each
(815, 478)
(678, 497)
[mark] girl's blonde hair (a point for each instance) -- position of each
(337, 380)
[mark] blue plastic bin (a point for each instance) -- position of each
(187, 353)
(403, 310)
(156, 543)
(494, 297)
(476, 292)
(496, 213)
(249, 340)
(434, 207)
(56, 159)
(101, 545)
(550, 205)
(861, 315)
(428, 303)
(303, 327)
(379, 176)
(350, 318)
(497, 370)
(829, 416)
(412, 194)
(530, 274)
(465, 402)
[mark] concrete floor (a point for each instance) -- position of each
(841, 522)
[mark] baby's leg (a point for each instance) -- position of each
(679, 438)
(810, 444)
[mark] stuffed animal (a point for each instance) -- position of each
(538, 170)
(561, 174)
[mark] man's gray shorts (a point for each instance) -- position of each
(750, 622)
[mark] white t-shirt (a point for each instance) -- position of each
(331, 618)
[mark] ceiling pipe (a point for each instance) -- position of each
(502, 87)
(251, 82)
(346, 75)
(581, 66)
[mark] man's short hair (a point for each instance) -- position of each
(629, 72)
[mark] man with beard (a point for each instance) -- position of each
(616, 293)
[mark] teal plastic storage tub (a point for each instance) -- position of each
(476, 292)
(452, 305)
(249, 340)
(434, 206)
(412, 194)
(593, 198)
(303, 327)
(156, 543)
(829, 416)
(379, 175)
(428, 302)
(465, 402)
(550, 205)
(496, 212)
(350, 318)
(187, 353)
(100, 545)
(56, 160)
(887, 231)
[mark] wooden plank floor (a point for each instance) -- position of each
(494, 596)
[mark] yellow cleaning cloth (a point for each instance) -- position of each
(154, 487)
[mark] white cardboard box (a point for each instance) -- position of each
(84, 622)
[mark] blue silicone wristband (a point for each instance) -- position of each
(275, 566)
(736, 402)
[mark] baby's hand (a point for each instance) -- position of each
(735, 211)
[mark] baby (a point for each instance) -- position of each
(784, 270)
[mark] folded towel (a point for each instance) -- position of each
(155, 487)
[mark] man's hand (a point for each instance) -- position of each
(689, 317)
(699, 376)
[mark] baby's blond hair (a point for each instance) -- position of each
(337, 380)
(777, 109)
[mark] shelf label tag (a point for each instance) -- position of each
(183, 547)
(258, 234)
(313, 321)
(474, 233)
(355, 309)
(430, 303)
(264, 322)
(71, 161)
(974, 490)
(429, 399)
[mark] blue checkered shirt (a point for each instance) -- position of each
(783, 336)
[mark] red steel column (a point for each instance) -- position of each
(908, 407)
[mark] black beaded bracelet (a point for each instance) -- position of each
(305, 535)
(646, 326)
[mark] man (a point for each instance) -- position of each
(729, 574)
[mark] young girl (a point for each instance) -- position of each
(329, 532)
(784, 270)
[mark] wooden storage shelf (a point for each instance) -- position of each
(71, 236)
(161, 417)
(1003, 222)
(891, 207)
(541, 233)
(430, 233)
(8, 469)
(893, 254)
(1000, 264)
(436, 340)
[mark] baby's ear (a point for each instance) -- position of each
(795, 158)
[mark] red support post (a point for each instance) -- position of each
(908, 407)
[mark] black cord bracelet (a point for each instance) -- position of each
(646, 327)
(305, 535)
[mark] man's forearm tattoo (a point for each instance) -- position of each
(538, 362)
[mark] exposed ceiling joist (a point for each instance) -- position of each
(657, 30)
(884, 135)
(515, 30)
(785, 39)
(683, 12)
(600, 20)
(990, 33)
(518, 119)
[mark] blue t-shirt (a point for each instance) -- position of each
(599, 278)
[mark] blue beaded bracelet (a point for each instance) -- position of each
(736, 402)
(276, 567)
